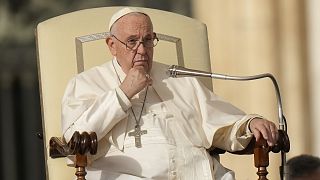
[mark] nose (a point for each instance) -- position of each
(141, 49)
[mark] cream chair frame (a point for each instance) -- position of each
(73, 42)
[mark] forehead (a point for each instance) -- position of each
(134, 23)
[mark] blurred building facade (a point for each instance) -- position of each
(281, 37)
(245, 37)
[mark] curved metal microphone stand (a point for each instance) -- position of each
(175, 71)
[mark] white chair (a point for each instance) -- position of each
(71, 43)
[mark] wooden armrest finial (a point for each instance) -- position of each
(79, 145)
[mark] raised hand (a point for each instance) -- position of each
(136, 79)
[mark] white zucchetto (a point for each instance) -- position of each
(122, 12)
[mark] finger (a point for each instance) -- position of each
(256, 134)
(277, 137)
(266, 133)
(274, 133)
(274, 137)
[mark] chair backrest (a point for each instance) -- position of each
(73, 42)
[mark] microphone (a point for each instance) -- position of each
(175, 71)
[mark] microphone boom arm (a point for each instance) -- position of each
(175, 71)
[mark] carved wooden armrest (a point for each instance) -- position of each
(261, 150)
(79, 145)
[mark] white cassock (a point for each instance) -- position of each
(182, 118)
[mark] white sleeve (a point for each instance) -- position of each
(225, 126)
(89, 108)
(123, 99)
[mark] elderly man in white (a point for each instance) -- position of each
(150, 126)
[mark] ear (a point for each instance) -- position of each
(111, 45)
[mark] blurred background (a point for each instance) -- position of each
(246, 37)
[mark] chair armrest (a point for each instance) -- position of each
(283, 144)
(78, 144)
(261, 150)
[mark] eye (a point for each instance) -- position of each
(148, 40)
(132, 42)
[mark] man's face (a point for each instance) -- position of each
(132, 27)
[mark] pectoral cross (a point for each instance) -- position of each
(137, 135)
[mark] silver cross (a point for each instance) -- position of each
(137, 135)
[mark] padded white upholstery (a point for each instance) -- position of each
(66, 46)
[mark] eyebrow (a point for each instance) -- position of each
(133, 37)
(136, 36)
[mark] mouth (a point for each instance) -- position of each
(140, 62)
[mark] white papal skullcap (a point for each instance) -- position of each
(122, 12)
